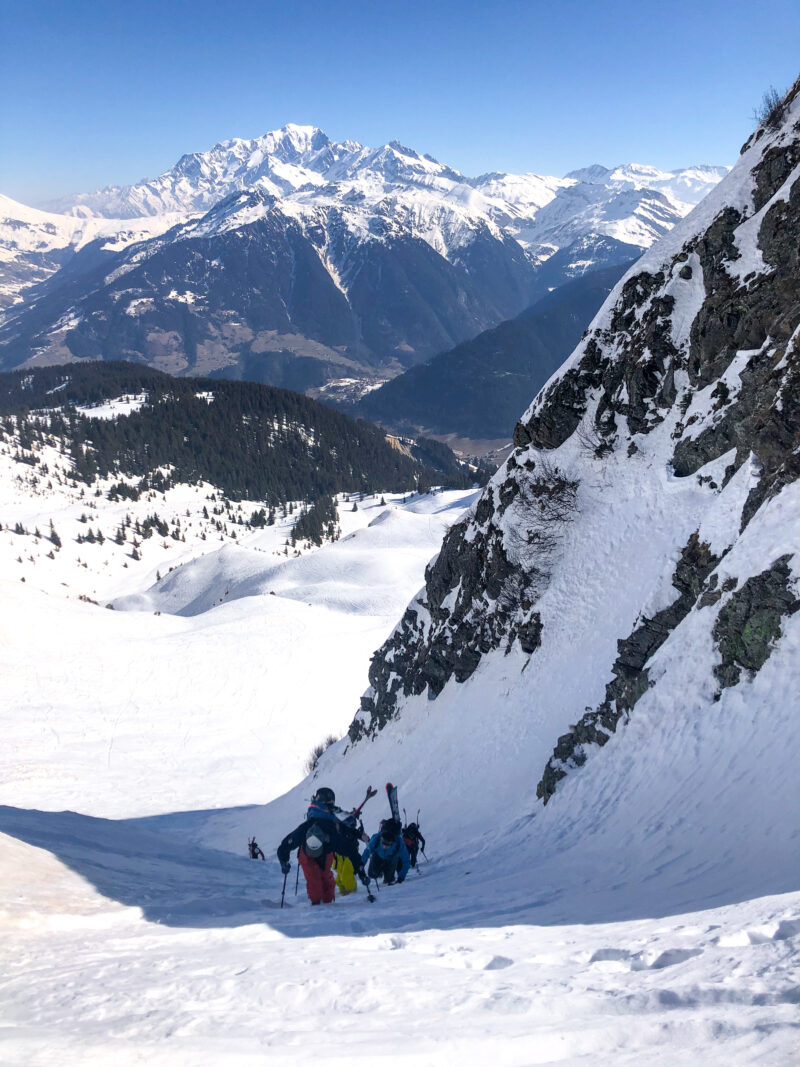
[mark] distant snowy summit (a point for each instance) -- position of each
(297, 260)
(303, 163)
(279, 162)
(688, 185)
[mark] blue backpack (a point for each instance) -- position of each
(316, 810)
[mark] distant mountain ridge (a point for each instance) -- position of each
(474, 390)
(304, 159)
(297, 260)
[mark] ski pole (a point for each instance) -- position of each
(283, 891)
(422, 850)
(297, 879)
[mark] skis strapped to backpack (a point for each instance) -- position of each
(370, 794)
(391, 793)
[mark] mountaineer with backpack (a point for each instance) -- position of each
(317, 840)
(387, 854)
(323, 807)
(412, 835)
(352, 827)
(254, 850)
(350, 824)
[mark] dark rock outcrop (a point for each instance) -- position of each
(749, 624)
(479, 595)
(631, 679)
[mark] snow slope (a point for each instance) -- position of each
(128, 946)
(138, 746)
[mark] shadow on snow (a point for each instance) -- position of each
(179, 884)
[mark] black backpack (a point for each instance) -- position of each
(411, 834)
(316, 833)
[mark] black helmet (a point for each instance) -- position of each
(324, 796)
(389, 831)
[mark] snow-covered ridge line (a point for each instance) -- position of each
(301, 164)
(303, 169)
(637, 559)
(117, 539)
(302, 158)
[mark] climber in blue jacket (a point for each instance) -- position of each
(387, 854)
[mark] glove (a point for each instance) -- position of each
(362, 874)
(285, 867)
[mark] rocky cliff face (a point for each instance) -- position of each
(643, 537)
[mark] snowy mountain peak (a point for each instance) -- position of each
(364, 216)
(595, 174)
(282, 160)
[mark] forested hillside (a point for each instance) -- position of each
(251, 441)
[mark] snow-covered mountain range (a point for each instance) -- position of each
(302, 163)
(297, 260)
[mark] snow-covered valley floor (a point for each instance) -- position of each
(140, 746)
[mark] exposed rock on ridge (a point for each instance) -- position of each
(686, 387)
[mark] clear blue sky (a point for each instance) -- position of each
(104, 93)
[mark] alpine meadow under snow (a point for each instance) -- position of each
(591, 694)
